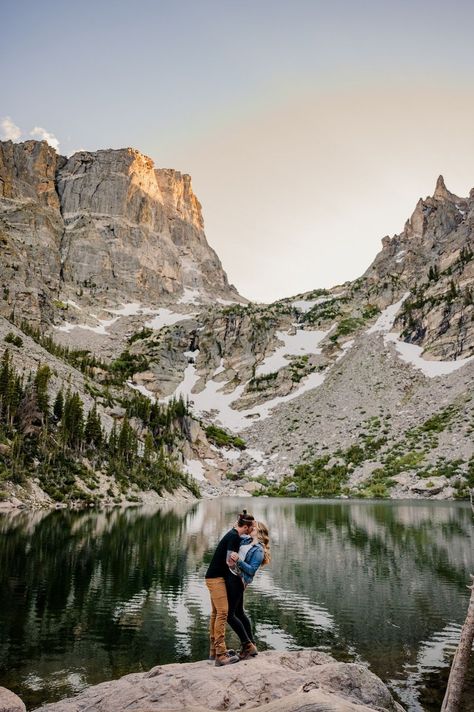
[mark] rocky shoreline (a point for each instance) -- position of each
(287, 681)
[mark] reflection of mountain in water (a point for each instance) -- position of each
(88, 596)
(392, 577)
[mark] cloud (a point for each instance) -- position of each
(43, 135)
(9, 130)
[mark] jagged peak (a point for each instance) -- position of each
(442, 193)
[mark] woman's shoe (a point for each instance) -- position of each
(248, 650)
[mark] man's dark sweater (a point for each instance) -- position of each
(218, 566)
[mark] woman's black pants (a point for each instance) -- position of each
(236, 617)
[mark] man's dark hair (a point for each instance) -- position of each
(245, 518)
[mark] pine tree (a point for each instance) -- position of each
(149, 447)
(127, 442)
(42, 377)
(73, 420)
(58, 407)
(93, 434)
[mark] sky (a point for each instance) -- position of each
(310, 129)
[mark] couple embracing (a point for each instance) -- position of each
(237, 557)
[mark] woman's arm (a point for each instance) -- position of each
(255, 561)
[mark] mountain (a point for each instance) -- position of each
(104, 226)
(360, 390)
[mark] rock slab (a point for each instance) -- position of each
(298, 680)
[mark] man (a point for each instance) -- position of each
(216, 576)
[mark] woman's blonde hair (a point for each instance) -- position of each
(264, 539)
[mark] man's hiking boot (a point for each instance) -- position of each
(248, 650)
(227, 659)
(212, 655)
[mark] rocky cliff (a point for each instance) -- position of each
(103, 227)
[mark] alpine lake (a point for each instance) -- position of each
(87, 596)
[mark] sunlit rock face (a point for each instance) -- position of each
(104, 226)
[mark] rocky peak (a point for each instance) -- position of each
(27, 172)
(442, 193)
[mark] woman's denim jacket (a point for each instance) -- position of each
(248, 568)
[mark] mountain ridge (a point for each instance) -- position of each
(244, 367)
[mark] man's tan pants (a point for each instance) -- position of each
(220, 608)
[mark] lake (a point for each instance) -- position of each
(92, 595)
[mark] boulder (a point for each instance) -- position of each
(253, 487)
(430, 486)
(9, 702)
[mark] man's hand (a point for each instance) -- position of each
(234, 556)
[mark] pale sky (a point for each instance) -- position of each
(310, 128)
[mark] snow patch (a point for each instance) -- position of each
(190, 296)
(104, 324)
(298, 344)
(304, 305)
(212, 399)
(166, 317)
(143, 390)
(387, 318)
(195, 469)
(411, 353)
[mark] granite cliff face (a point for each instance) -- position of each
(104, 227)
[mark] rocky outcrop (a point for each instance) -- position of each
(432, 260)
(289, 681)
(31, 230)
(9, 702)
(103, 227)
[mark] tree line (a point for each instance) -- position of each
(62, 445)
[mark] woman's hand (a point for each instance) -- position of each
(234, 556)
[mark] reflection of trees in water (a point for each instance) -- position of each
(389, 582)
(109, 592)
(67, 575)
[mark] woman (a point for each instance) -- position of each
(254, 552)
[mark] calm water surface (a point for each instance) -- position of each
(89, 596)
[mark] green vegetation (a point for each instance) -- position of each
(369, 311)
(144, 333)
(123, 367)
(64, 449)
(299, 367)
(12, 338)
(313, 479)
(320, 313)
(114, 373)
(222, 438)
(346, 326)
(260, 383)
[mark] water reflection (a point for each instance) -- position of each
(88, 596)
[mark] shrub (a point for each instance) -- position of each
(222, 438)
(12, 338)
